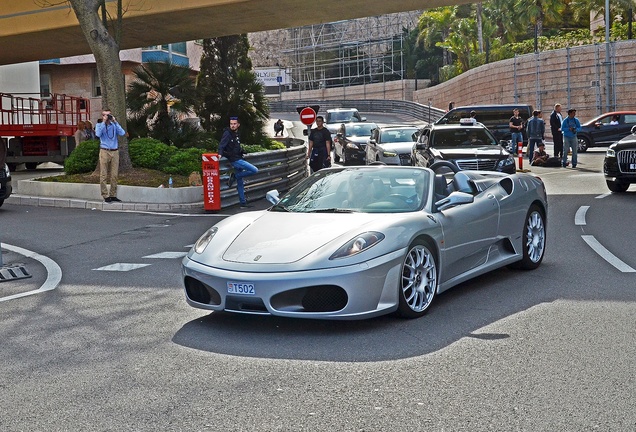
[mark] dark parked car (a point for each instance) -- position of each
(350, 142)
(5, 183)
(619, 165)
(606, 129)
(467, 146)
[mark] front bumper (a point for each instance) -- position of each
(351, 292)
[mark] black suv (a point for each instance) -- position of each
(5, 183)
(619, 165)
(468, 146)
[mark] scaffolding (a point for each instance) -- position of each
(352, 52)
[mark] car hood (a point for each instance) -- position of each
(274, 241)
(484, 152)
(629, 142)
(399, 147)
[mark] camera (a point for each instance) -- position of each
(109, 116)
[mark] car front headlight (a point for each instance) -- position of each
(610, 153)
(505, 162)
(358, 244)
(389, 154)
(352, 146)
(204, 240)
(7, 173)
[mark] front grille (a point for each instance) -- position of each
(627, 161)
(477, 164)
(405, 159)
(3, 174)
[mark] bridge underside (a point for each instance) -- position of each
(29, 32)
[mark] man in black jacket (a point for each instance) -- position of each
(230, 147)
(555, 128)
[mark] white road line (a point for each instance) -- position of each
(579, 217)
(167, 255)
(603, 195)
(607, 255)
(53, 272)
(122, 267)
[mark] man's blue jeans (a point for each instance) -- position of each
(516, 138)
(242, 168)
(570, 144)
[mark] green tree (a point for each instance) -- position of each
(535, 12)
(226, 86)
(158, 94)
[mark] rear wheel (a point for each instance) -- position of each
(533, 240)
(617, 186)
(1, 202)
(31, 165)
(418, 280)
(584, 144)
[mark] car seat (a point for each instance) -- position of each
(440, 187)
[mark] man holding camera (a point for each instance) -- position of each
(570, 126)
(108, 132)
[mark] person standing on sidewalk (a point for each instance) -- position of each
(230, 148)
(555, 128)
(536, 133)
(516, 128)
(108, 132)
(570, 126)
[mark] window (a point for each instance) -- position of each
(45, 85)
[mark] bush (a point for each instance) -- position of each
(253, 148)
(149, 153)
(184, 162)
(83, 159)
(277, 145)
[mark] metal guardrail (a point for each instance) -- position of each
(277, 169)
(413, 109)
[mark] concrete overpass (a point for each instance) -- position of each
(31, 32)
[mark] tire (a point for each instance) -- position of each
(534, 237)
(336, 158)
(418, 280)
(31, 165)
(584, 144)
(617, 186)
(1, 202)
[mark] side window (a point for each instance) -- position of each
(630, 118)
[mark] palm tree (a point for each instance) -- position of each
(159, 93)
(435, 26)
(582, 8)
(535, 12)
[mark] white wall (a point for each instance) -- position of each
(21, 79)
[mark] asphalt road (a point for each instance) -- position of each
(115, 347)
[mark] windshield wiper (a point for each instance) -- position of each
(280, 207)
(332, 210)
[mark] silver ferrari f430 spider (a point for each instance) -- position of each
(358, 242)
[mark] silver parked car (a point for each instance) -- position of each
(391, 145)
(357, 242)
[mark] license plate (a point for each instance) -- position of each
(241, 288)
(632, 167)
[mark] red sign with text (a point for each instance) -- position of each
(211, 182)
(307, 116)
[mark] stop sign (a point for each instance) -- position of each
(307, 116)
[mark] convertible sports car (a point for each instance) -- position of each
(357, 242)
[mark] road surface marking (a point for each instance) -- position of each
(122, 267)
(579, 218)
(607, 255)
(53, 272)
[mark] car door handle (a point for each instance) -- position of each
(490, 196)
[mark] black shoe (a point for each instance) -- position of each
(108, 199)
(114, 199)
(231, 180)
(246, 205)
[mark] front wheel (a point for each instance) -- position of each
(418, 280)
(534, 237)
(617, 186)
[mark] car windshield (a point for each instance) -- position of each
(341, 116)
(362, 129)
(358, 189)
(397, 135)
(461, 137)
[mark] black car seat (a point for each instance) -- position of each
(463, 183)
(440, 187)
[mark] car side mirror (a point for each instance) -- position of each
(421, 146)
(372, 141)
(363, 119)
(454, 199)
(305, 132)
(272, 197)
(598, 125)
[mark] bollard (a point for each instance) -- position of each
(520, 154)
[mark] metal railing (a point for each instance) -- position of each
(416, 110)
(277, 169)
